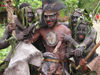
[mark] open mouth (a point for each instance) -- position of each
(50, 23)
(29, 19)
(81, 36)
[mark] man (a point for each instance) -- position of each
(85, 35)
(23, 54)
(22, 22)
(82, 40)
(52, 33)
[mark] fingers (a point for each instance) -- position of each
(11, 26)
(78, 53)
(82, 62)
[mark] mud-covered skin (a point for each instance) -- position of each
(83, 44)
(7, 34)
(52, 34)
(58, 29)
(74, 19)
(84, 37)
(20, 30)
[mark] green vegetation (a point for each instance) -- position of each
(35, 3)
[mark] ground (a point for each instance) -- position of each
(97, 27)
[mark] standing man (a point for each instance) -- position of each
(83, 42)
(22, 54)
(52, 34)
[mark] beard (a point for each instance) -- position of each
(51, 24)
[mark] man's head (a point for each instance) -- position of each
(26, 14)
(82, 31)
(50, 18)
(74, 18)
(51, 12)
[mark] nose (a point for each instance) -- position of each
(48, 18)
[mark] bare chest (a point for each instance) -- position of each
(52, 36)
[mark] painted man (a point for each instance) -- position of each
(85, 35)
(83, 42)
(23, 21)
(24, 27)
(79, 42)
(52, 33)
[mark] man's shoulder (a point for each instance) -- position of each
(64, 27)
(61, 25)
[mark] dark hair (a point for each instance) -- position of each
(24, 5)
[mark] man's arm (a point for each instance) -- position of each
(3, 42)
(91, 38)
(68, 37)
(35, 36)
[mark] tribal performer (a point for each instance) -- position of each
(83, 42)
(23, 54)
(52, 34)
(82, 32)
(85, 35)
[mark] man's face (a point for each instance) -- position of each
(81, 32)
(74, 19)
(28, 15)
(50, 18)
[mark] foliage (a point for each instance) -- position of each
(2, 6)
(70, 6)
(90, 5)
(35, 3)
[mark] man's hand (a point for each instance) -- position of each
(11, 26)
(67, 37)
(82, 62)
(78, 51)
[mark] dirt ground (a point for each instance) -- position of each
(97, 27)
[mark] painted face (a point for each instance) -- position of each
(74, 19)
(28, 15)
(81, 32)
(50, 18)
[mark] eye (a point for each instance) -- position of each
(45, 16)
(76, 16)
(73, 17)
